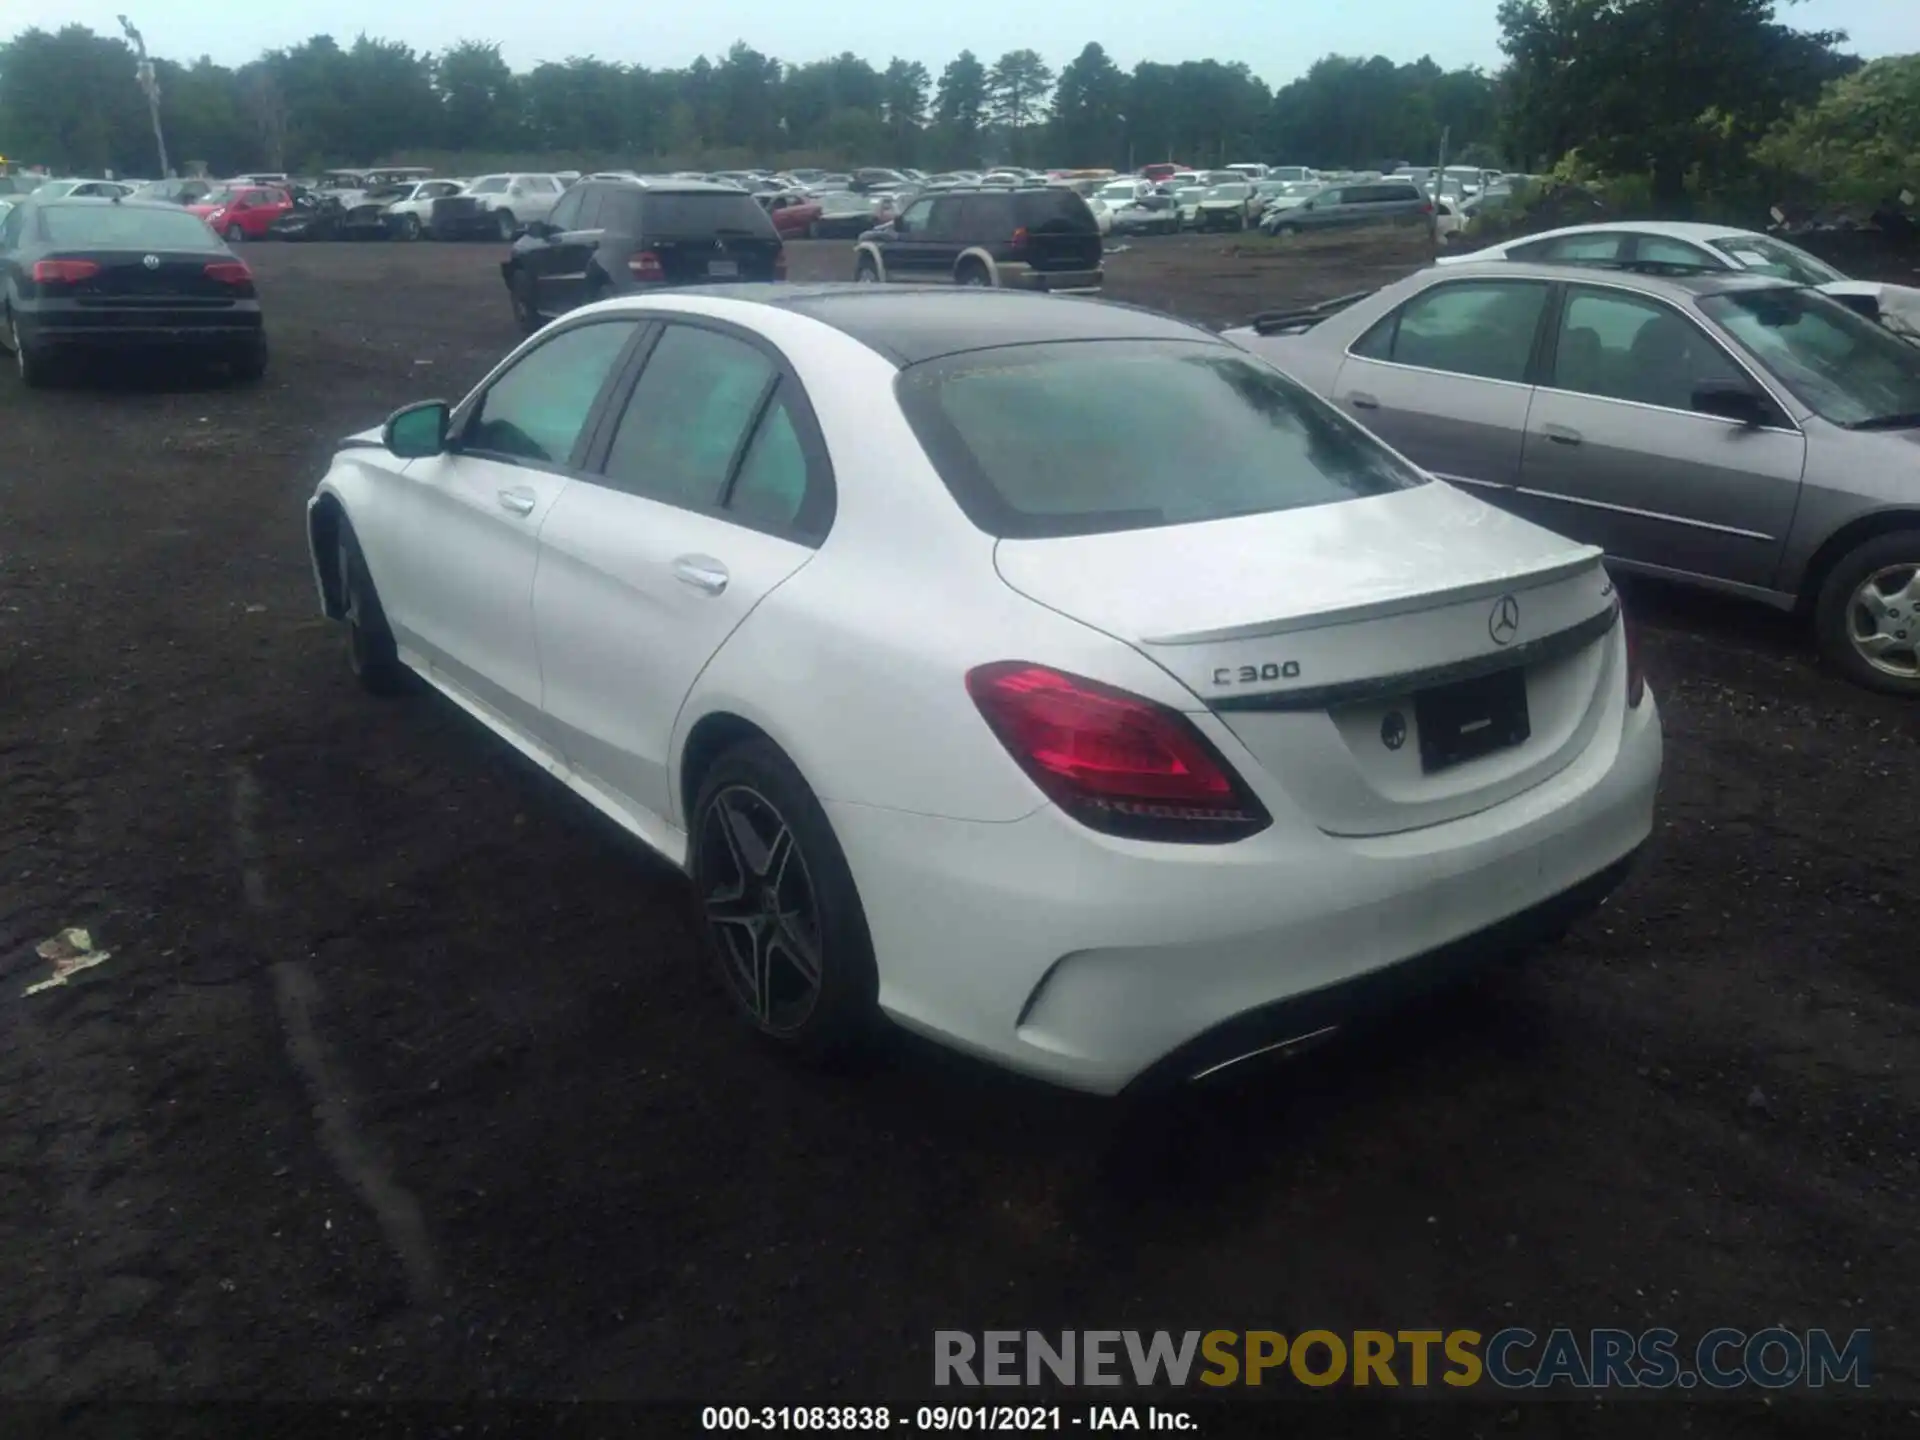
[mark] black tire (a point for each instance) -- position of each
(813, 231)
(972, 273)
(504, 224)
(371, 654)
(520, 292)
(751, 796)
(409, 227)
(1286, 232)
(865, 271)
(235, 235)
(37, 370)
(1837, 618)
(249, 363)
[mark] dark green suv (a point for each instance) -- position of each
(1040, 237)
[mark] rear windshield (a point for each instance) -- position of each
(108, 226)
(1050, 210)
(1089, 437)
(706, 214)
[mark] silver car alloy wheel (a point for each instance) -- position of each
(1883, 620)
(761, 905)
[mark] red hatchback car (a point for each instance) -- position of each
(793, 213)
(243, 212)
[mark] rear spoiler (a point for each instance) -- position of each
(1279, 322)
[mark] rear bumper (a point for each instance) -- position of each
(1071, 282)
(128, 329)
(1102, 964)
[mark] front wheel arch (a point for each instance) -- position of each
(324, 524)
(1843, 542)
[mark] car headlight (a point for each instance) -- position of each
(216, 216)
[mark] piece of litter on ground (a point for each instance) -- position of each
(256, 609)
(71, 951)
(423, 362)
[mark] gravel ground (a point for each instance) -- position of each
(403, 1079)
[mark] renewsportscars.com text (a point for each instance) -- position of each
(1512, 1359)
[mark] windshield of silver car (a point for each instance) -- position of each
(1846, 369)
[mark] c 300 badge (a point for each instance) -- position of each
(1255, 674)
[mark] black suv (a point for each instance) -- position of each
(613, 237)
(1042, 238)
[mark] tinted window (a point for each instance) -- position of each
(946, 217)
(567, 212)
(772, 484)
(1073, 439)
(1626, 348)
(705, 214)
(684, 423)
(1049, 209)
(918, 214)
(1664, 250)
(111, 225)
(492, 185)
(536, 409)
(1385, 194)
(620, 209)
(592, 214)
(1482, 328)
(1847, 369)
(1570, 247)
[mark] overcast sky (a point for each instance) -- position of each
(1277, 41)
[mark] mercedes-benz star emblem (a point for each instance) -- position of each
(152, 262)
(1393, 730)
(1504, 623)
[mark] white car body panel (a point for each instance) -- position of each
(1000, 924)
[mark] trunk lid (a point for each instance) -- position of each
(704, 259)
(174, 278)
(1388, 662)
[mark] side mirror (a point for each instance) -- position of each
(1730, 400)
(415, 432)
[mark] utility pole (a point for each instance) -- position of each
(150, 83)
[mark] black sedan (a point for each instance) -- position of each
(92, 277)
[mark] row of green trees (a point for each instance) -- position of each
(1693, 97)
(69, 99)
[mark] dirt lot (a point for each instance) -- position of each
(403, 1079)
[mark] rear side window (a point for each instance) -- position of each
(1053, 210)
(1602, 246)
(122, 225)
(692, 215)
(1086, 438)
(696, 401)
(1482, 328)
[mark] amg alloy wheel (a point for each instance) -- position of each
(782, 918)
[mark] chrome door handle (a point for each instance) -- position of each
(519, 501)
(702, 572)
(1361, 400)
(1561, 434)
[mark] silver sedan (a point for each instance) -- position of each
(1722, 429)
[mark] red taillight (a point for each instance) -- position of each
(63, 272)
(1426, 208)
(646, 266)
(230, 272)
(780, 264)
(1116, 762)
(1636, 676)
(1019, 241)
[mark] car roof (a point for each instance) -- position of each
(1677, 229)
(911, 324)
(1661, 282)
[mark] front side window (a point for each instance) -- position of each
(917, 215)
(536, 410)
(1085, 438)
(1481, 328)
(1622, 347)
(490, 185)
(1604, 246)
(1844, 367)
(567, 212)
(682, 428)
(1665, 250)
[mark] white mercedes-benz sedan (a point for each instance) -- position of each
(968, 691)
